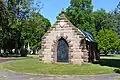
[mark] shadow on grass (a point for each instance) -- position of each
(111, 63)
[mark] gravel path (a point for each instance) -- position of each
(9, 75)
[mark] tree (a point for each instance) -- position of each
(35, 28)
(3, 23)
(107, 40)
(26, 19)
(21, 23)
(116, 18)
(80, 14)
(103, 20)
(12, 14)
(20, 12)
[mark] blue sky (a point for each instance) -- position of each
(52, 8)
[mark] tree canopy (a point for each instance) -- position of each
(80, 14)
(107, 40)
(21, 24)
(101, 24)
(116, 18)
(35, 28)
(103, 20)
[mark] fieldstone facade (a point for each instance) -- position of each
(80, 50)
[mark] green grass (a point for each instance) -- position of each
(110, 61)
(111, 56)
(33, 56)
(36, 67)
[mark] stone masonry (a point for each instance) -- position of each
(78, 53)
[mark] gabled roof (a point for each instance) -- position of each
(62, 20)
(87, 35)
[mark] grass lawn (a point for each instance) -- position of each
(33, 56)
(37, 67)
(110, 61)
(111, 56)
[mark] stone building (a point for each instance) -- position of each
(64, 43)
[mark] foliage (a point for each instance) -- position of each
(12, 13)
(35, 28)
(80, 14)
(56, 69)
(116, 18)
(9, 37)
(21, 23)
(3, 23)
(103, 20)
(107, 40)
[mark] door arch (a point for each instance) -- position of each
(62, 51)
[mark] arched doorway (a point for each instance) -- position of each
(62, 50)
